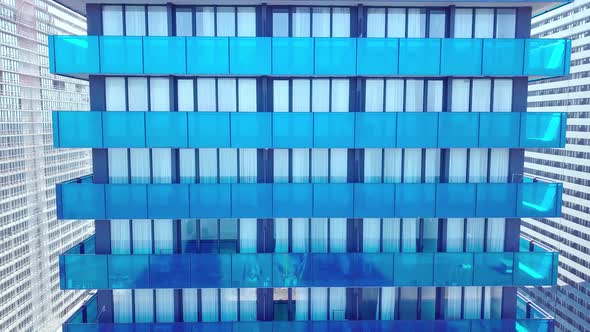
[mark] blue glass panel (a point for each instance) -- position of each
(168, 201)
(374, 200)
(413, 269)
(208, 130)
(166, 129)
(461, 57)
(123, 201)
(207, 55)
(81, 201)
(539, 200)
(250, 56)
(76, 55)
(335, 56)
(417, 130)
(164, 55)
(377, 56)
(419, 56)
(496, 200)
(210, 200)
(129, 271)
(334, 130)
(457, 129)
(171, 271)
(121, 55)
(252, 270)
(292, 270)
(80, 129)
(292, 200)
(211, 270)
(251, 200)
(545, 57)
(493, 268)
(85, 272)
(415, 200)
(534, 269)
(375, 130)
(251, 130)
(499, 129)
(364, 270)
(292, 56)
(503, 57)
(123, 129)
(333, 200)
(292, 130)
(455, 200)
(453, 269)
(541, 130)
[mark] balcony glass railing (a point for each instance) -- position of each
(308, 130)
(108, 55)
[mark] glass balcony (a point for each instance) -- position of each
(107, 55)
(308, 130)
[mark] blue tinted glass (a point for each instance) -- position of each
(417, 130)
(80, 129)
(503, 57)
(168, 201)
(453, 269)
(419, 56)
(164, 55)
(81, 201)
(292, 130)
(251, 130)
(251, 200)
(250, 56)
(352, 269)
(539, 200)
(333, 200)
(335, 56)
(542, 130)
(377, 56)
(292, 56)
(545, 57)
(85, 272)
(166, 129)
(534, 269)
(123, 129)
(375, 130)
(207, 55)
(292, 270)
(208, 130)
(121, 55)
(123, 201)
(170, 271)
(413, 269)
(457, 129)
(252, 270)
(496, 200)
(210, 200)
(129, 271)
(455, 200)
(292, 200)
(414, 200)
(461, 57)
(493, 268)
(211, 270)
(76, 54)
(335, 130)
(499, 129)
(374, 200)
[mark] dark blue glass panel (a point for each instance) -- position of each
(251, 200)
(375, 130)
(374, 200)
(164, 55)
(123, 129)
(292, 200)
(292, 56)
(334, 130)
(123, 201)
(172, 271)
(250, 56)
(207, 55)
(496, 200)
(166, 129)
(251, 130)
(417, 130)
(461, 57)
(499, 129)
(413, 269)
(129, 271)
(363, 270)
(85, 272)
(252, 270)
(377, 56)
(542, 130)
(168, 201)
(76, 54)
(80, 129)
(81, 201)
(208, 130)
(419, 56)
(503, 57)
(292, 130)
(121, 55)
(455, 200)
(210, 200)
(539, 199)
(493, 268)
(415, 200)
(333, 200)
(534, 269)
(453, 269)
(545, 57)
(457, 129)
(335, 56)
(211, 270)
(292, 270)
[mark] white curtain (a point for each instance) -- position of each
(409, 234)
(281, 235)
(506, 23)
(394, 95)
(248, 165)
(319, 303)
(478, 165)
(144, 305)
(205, 21)
(229, 304)
(299, 234)
(472, 302)
(320, 101)
(301, 22)
(120, 236)
(371, 234)
(414, 95)
(248, 234)
(157, 21)
(142, 236)
(463, 24)
(502, 95)
(165, 305)
(320, 22)
(184, 22)
(248, 304)
(416, 23)
(337, 303)
(412, 165)
(391, 234)
(226, 94)
(499, 165)
(452, 306)
(115, 93)
(437, 25)
(226, 21)
(118, 165)
(228, 165)
(163, 236)
(319, 234)
(373, 165)
(280, 95)
(434, 97)
(374, 95)
(340, 22)
(484, 23)
(300, 165)
(159, 94)
(376, 22)
(337, 234)
(280, 165)
(481, 95)
(338, 165)
(112, 20)
(319, 165)
(207, 165)
(187, 169)
(122, 306)
(140, 165)
(209, 305)
(161, 165)
(460, 95)
(138, 93)
(388, 295)
(206, 101)
(134, 21)
(247, 95)
(301, 303)
(396, 22)
(185, 92)
(302, 94)
(392, 165)
(246, 21)
(190, 304)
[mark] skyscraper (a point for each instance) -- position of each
(31, 238)
(318, 166)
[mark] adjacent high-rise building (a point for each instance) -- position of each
(31, 238)
(310, 166)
